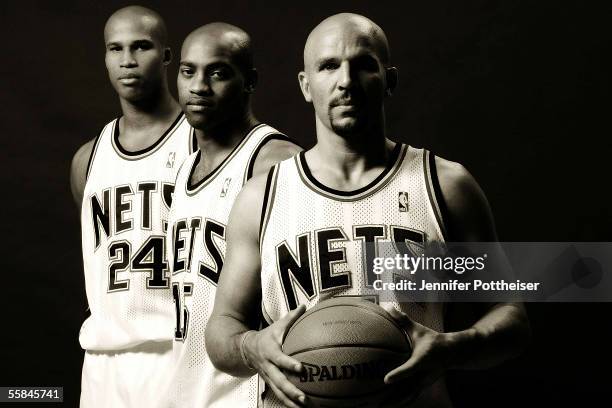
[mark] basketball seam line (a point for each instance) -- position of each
(369, 346)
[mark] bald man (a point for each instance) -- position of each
(123, 182)
(215, 82)
(298, 235)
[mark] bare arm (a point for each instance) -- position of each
(78, 171)
(238, 291)
(232, 347)
(501, 333)
(243, 262)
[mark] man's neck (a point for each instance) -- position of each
(223, 138)
(366, 148)
(349, 162)
(161, 108)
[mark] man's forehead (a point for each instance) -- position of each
(338, 42)
(205, 52)
(124, 29)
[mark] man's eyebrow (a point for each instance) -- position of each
(186, 63)
(218, 64)
(142, 41)
(325, 59)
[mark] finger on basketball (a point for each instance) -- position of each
(281, 382)
(287, 363)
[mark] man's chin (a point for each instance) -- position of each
(347, 126)
(197, 121)
(133, 95)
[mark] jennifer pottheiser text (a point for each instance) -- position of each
(456, 285)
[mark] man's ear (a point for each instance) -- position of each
(392, 76)
(304, 86)
(252, 77)
(167, 56)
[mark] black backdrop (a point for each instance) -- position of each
(516, 91)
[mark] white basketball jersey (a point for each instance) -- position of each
(123, 222)
(315, 241)
(196, 243)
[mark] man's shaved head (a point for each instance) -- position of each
(235, 41)
(352, 24)
(141, 17)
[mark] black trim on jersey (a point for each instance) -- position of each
(390, 164)
(437, 195)
(93, 152)
(212, 174)
(264, 141)
(147, 149)
(194, 142)
(266, 196)
(266, 208)
(86, 313)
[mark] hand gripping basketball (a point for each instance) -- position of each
(263, 352)
(430, 355)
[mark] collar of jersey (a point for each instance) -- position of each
(397, 155)
(139, 154)
(193, 188)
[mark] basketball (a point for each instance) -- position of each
(346, 346)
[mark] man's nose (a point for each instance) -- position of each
(200, 84)
(127, 59)
(345, 79)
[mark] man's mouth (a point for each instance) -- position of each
(199, 105)
(129, 79)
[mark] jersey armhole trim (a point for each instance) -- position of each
(435, 192)
(266, 320)
(268, 202)
(262, 143)
(93, 152)
(193, 144)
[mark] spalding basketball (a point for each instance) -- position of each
(346, 346)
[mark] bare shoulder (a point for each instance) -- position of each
(469, 213)
(253, 193)
(272, 152)
(455, 180)
(247, 210)
(78, 170)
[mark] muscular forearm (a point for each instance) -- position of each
(498, 336)
(223, 339)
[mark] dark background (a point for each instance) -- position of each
(516, 91)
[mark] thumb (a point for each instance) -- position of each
(403, 372)
(400, 317)
(290, 318)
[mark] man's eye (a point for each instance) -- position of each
(367, 64)
(186, 71)
(218, 74)
(328, 66)
(114, 49)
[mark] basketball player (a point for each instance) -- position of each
(297, 235)
(215, 82)
(123, 181)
